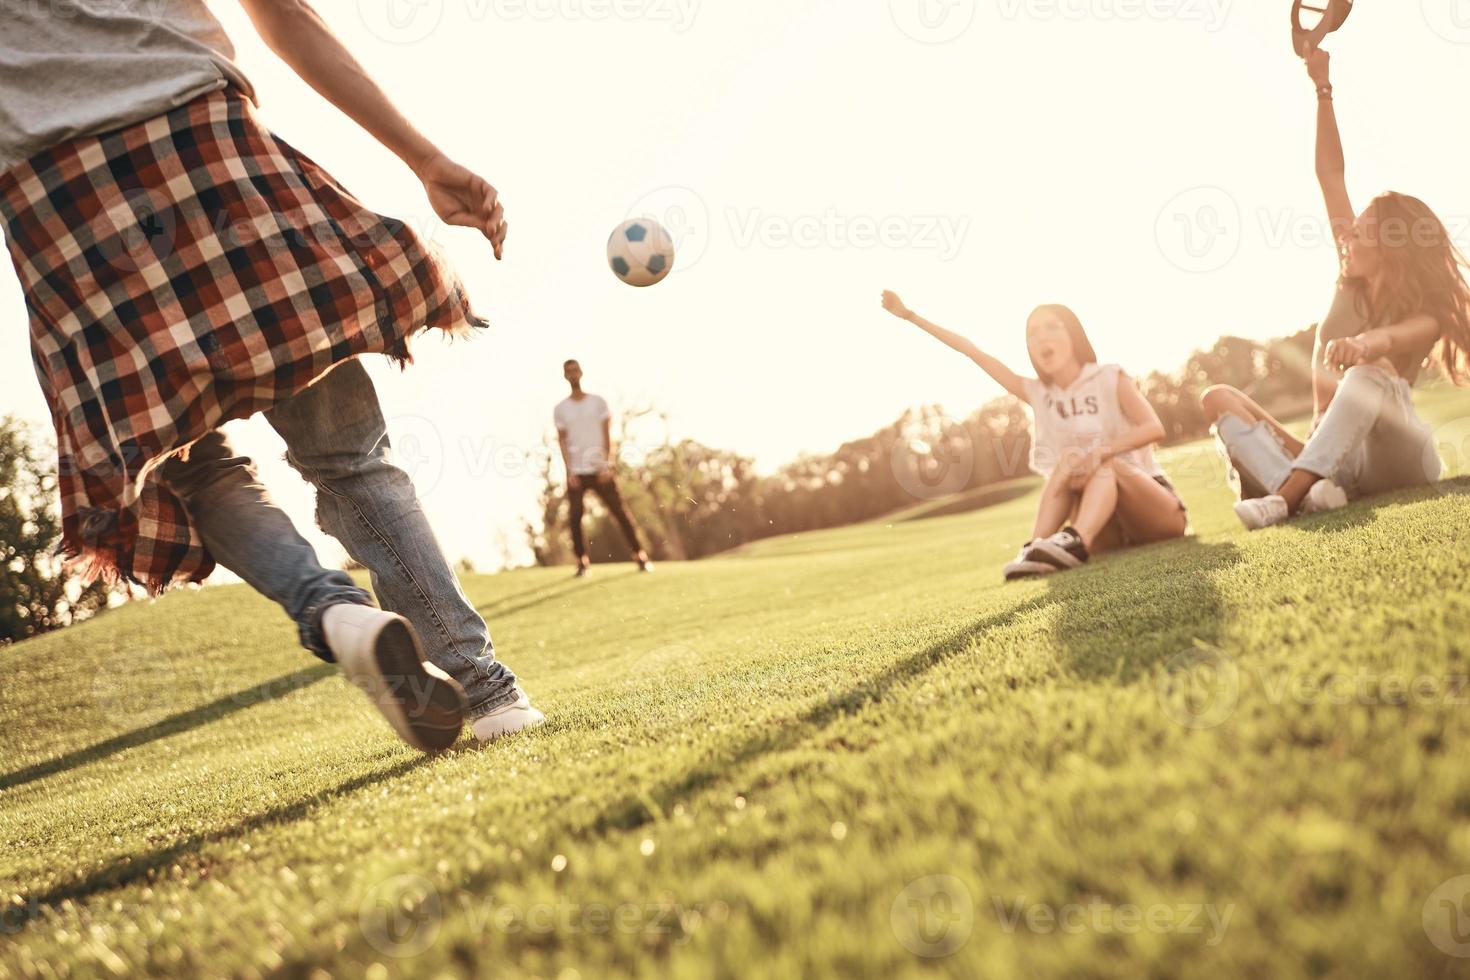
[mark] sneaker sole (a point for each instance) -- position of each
(1250, 519)
(1028, 569)
(524, 721)
(1323, 501)
(426, 712)
(1061, 559)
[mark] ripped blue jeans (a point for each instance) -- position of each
(1370, 441)
(337, 439)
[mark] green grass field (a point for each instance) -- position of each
(846, 754)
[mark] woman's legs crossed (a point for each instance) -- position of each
(1371, 440)
(1096, 505)
(1147, 510)
(1058, 502)
(1259, 448)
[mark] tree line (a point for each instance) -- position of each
(693, 500)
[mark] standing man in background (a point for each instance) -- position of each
(584, 429)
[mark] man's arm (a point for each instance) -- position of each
(566, 458)
(607, 445)
(300, 38)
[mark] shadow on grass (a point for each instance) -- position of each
(184, 721)
(1122, 616)
(126, 871)
(650, 804)
(550, 594)
(1168, 585)
(1363, 512)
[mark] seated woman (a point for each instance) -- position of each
(1093, 441)
(1402, 294)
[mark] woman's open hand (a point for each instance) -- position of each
(462, 197)
(894, 305)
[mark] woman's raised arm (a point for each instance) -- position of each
(1004, 376)
(1331, 167)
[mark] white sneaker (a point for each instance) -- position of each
(1025, 566)
(517, 716)
(1324, 495)
(380, 655)
(1262, 512)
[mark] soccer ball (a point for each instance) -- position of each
(641, 252)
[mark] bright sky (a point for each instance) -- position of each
(1148, 162)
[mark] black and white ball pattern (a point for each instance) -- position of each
(641, 252)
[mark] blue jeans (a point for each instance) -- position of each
(336, 438)
(1370, 441)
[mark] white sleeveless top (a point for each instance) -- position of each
(1080, 419)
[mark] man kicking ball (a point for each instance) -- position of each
(182, 267)
(584, 429)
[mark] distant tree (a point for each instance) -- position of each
(37, 593)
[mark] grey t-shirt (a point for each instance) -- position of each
(1348, 318)
(78, 67)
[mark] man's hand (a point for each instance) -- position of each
(604, 475)
(574, 482)
(463, 198)
(1319, 67)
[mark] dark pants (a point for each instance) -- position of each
(607, 492)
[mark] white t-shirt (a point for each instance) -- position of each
(1080, 419)
(581, 420)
